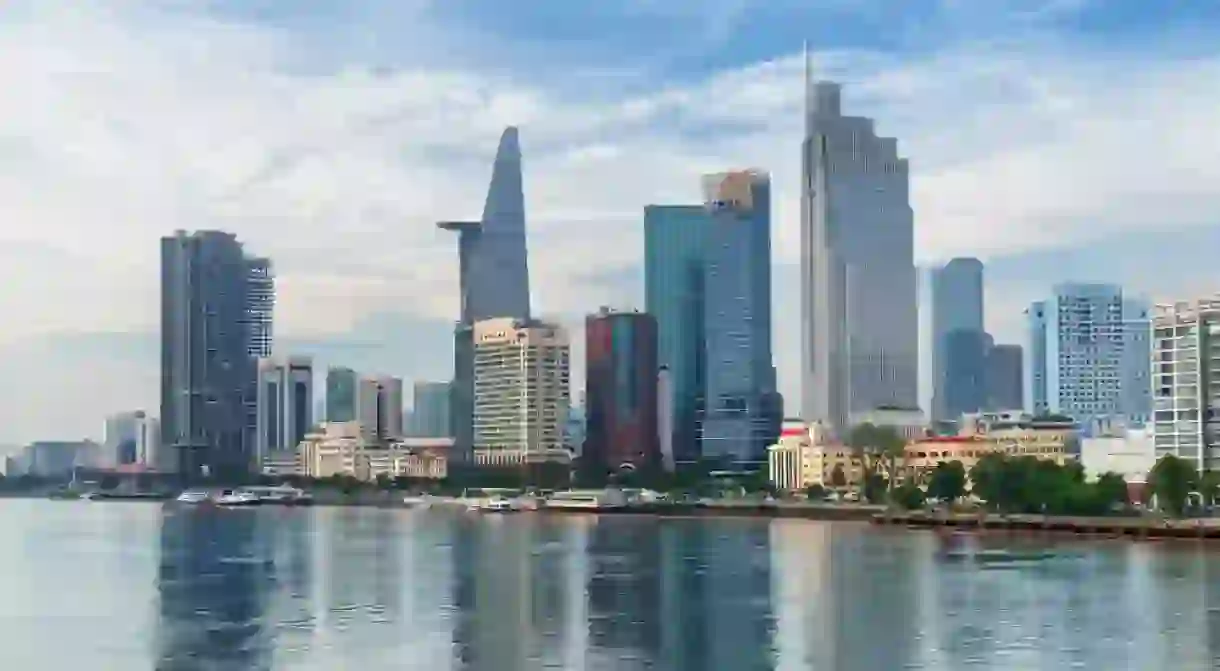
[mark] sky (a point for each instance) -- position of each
(1054, 139)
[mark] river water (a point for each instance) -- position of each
(127, 586)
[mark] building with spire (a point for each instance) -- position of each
(494, 277)
(859, 304)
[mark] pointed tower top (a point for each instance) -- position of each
(510, 144)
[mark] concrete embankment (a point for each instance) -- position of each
(810, 511)
(1124, 527)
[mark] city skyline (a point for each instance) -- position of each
(380, 169)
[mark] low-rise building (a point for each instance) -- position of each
(1130, 453)
(922, 456)
(795, 463)
(343, 448)
(910, 423)
(1022, 434)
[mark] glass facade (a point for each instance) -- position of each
(739, 381)
(430, 410)
(958, 363)
(208, 375)
(621, 391)
(340, 395)
(675, 239)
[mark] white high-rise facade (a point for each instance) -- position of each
(521, 391)
(1185, 365)
(131, 438)
(285, 404)
(859, 300)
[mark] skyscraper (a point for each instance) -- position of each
(285, 403)
(859, 324)
(379, 407)
(620, 391)
(739, 411)
(131, 438)
(1005, 370)
(521, 391)
(213, 304)
(1092, 349)
(1035, 363)
(430, 410)
(675, 244)
(494, 275)
(341, 394)
(958, 344)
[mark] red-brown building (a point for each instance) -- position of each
(621, 391)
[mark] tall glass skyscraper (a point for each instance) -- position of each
(707, 276)
(494, 274)
(430, 410)
(210, 290)
(959, 344)
(739, 419)
(675, 246)
(341, 394)
(859, 316)
(621, 392)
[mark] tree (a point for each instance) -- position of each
(1111, 490)
(875, 487)
(986, 475)
(948, 481)
(837, 477)
(1171, 480)
(908, 495)
(874, 445)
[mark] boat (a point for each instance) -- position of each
(282, 495)
(499, 505)
(194, 496)
(236, 497)
(424, 501)
(587, 500)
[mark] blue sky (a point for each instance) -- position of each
(1056, 139)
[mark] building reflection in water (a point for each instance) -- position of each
(213, 573)
(510, 593)
(623, 588)
(845, 601)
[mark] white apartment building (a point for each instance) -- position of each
(285, 405)
(521, 391)
(796, 461)
(379, 407)
(1185, 380)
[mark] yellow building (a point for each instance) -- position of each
(342, 448)
(795, 462)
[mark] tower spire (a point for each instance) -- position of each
(806, 83)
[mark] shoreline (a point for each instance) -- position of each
(1132, 528)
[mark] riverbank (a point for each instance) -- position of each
(1109, 527)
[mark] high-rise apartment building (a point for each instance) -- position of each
(430, 410)
(131, 438)
(1089, 354)
(1005, 371)
(741, 417)
(959, 344)
(1186, 380)
(494, 277)
(285, 403)
(675, 249)
(341, 394)
(620, 413)
(521, 391)
(1035, 363)
(214, 305)
(379, 407)
(859, 315)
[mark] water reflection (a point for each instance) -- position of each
(212, 580)
(315, 590)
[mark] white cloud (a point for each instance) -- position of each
(120, 125)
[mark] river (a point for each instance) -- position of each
(128, 586)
